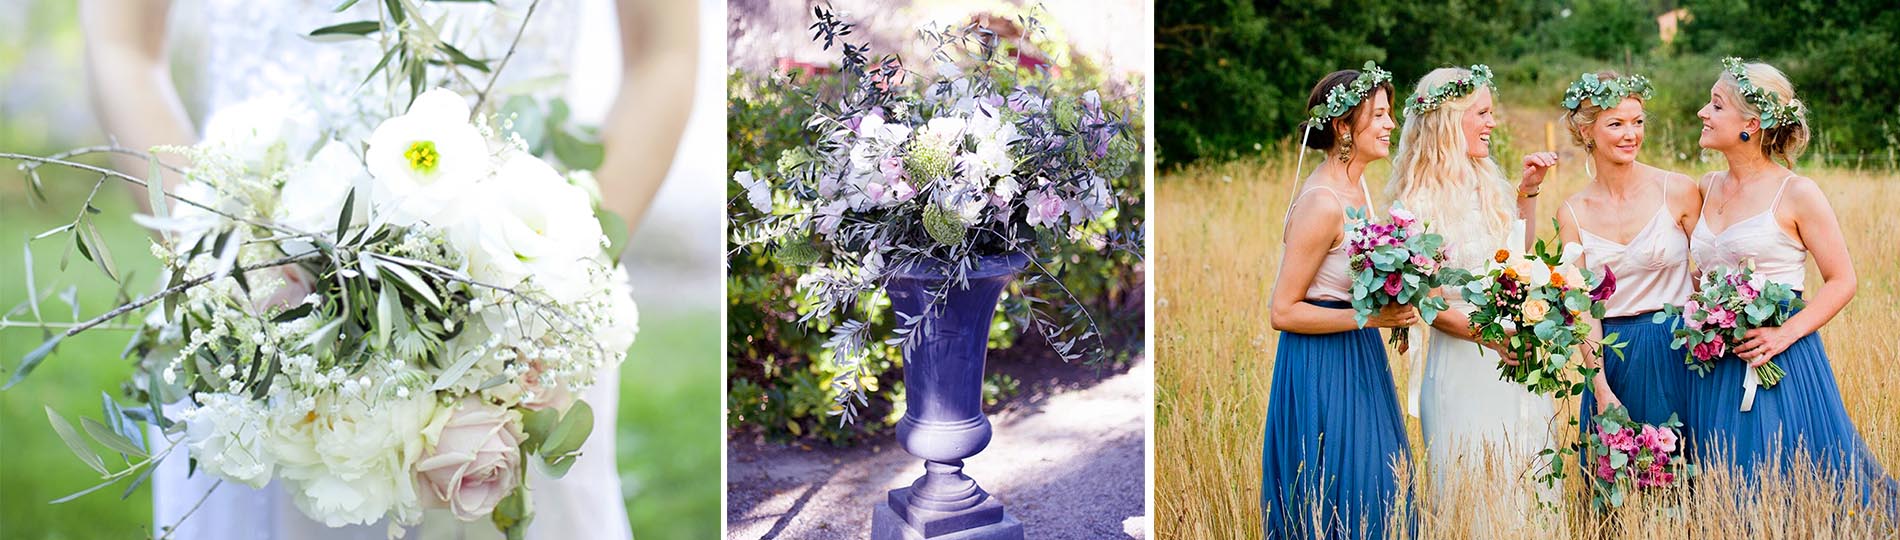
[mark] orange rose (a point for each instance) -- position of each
(1503, 255)
(1510, 273)
(1557, 279)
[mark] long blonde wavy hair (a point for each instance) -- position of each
(1466, 199)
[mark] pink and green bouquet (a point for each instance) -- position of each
(1729, 302)
(1535, 305)
(1625, 455)
(1397, 262)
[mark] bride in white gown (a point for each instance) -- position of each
(243, 49)
(1443, 171)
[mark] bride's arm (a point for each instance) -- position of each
(659, 43)
(131, 82)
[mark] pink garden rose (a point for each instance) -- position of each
(474, 463)
(298, 283)
(540, 393)
(1393, 283)
(1623, 440)
(1710, 351)
(1604, 471)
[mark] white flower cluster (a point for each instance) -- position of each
(391, 368)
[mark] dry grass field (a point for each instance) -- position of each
(1217, 250)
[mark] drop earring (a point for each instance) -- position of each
(1744, 136)
(1345, 148)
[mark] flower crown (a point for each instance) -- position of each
(1772, 114)
(1606, 94)
(1463, 86)
(1344, 97)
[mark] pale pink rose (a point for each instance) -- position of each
(541, 393)
(1044, 208)
(297, 284)
(474, 463)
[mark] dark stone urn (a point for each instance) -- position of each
(943, 422)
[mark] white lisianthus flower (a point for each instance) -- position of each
(424, 160)
(314, 192)
(265, 133)
(227, 435)
(529, 222)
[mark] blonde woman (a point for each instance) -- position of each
(1444, 173)
(1635, 220)
(1760, 211)
(1333, 426)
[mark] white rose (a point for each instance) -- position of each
(226, 434)
(526, 222)
(264, 133)
(424, 160)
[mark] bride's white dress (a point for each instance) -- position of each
(233, 50)
(1466, 413)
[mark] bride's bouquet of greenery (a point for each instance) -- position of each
(381, 325)
(978, 158)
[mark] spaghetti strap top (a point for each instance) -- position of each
(1652, 269)
(1778, 257)
(1334, 280)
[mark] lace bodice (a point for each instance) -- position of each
(236, 50)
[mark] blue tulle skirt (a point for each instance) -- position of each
(1650, 378)
(1801, 415)
(1333, 433)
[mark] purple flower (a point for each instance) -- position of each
(1605, 288)
(1393, 284)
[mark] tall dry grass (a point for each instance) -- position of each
(1218, 243)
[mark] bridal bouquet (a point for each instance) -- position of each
(973, 161)
(1533, 304)
(1398, 262)
(1623, 456)
(1728, 303)
(381, 332)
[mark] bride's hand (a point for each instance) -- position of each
(1393, 316)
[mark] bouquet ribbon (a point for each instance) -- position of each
(1750, 381)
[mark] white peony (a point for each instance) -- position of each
(425, 160)
(265, 133)
(350, 459)
(314, 192)
(226, 434)
(525, 222)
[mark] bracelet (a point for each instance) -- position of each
(1531, 195)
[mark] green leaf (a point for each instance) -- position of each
(33, 359)
(343, 219)
(343, 6)
(460, 58)
(111, 439)
(578, 151)
(385, 315)
(573, 430)
(86, 491)
(538, 425)
(530, 122)
(356, 28)
(395, 10)
(616, 230)
(73, 442)
(412, 281)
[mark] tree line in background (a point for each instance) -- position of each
(1233, 75)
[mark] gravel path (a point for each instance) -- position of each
(1069, 465)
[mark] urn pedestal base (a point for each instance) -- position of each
(985, 521)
